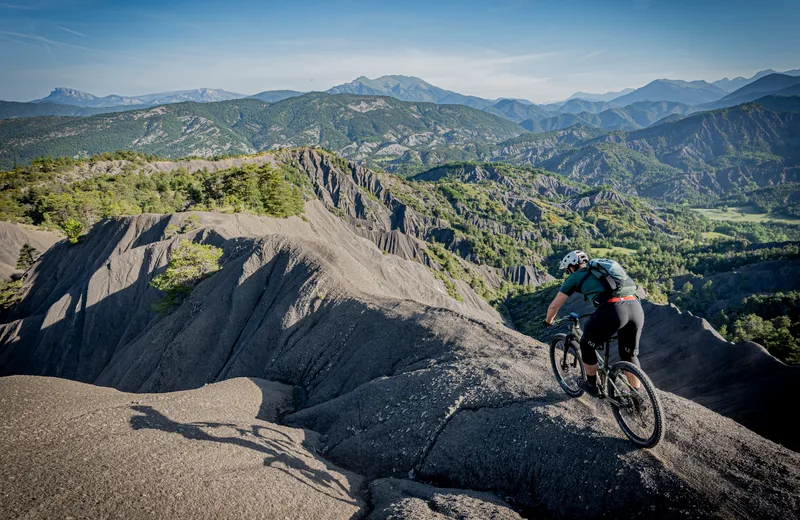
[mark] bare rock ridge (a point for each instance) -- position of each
(371, 201)
(98, 293)
(392, 376)
(742, 381)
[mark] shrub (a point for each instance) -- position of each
(73, 229)
(189, 264)
(10, 294)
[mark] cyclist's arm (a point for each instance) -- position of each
(556, 304)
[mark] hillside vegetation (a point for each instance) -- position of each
(357, 126)
(489, 214)
(708, 158)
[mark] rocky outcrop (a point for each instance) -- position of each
(375, 206)
(685, 355)
(395, 498)
(77, 294)
(395, 376)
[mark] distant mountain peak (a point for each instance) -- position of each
(608, 96)
(71, 96)
(408, 88)
(689, 92)
(731, 85)
(71, 92)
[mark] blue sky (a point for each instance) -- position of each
(539, 50)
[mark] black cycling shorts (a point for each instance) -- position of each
(627, 317)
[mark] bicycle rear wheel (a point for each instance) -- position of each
(639, 412)
(567, 366)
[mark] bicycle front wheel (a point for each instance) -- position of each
(567, 365)
(637, 407)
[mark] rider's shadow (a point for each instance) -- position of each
(282, 452)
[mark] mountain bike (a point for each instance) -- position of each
(638, 411)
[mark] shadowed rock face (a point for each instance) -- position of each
(393, 498)
(397, 377)
(285, 283)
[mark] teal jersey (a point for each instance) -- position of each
(592, 287)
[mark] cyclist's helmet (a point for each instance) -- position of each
(576, 257)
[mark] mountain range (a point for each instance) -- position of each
(655, 149)
(677, 91)
(358, 126)
(632, 117)
(68, 96)
(770, 85)
(608, 96)
(407, 88)
(730, 85)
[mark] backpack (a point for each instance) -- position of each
(612, 275)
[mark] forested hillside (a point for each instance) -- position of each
(357, 126)
(518, 221)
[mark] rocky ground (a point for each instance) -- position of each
(377, 374)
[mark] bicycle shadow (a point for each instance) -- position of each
(282, 452)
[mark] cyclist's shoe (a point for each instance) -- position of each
(589, 388)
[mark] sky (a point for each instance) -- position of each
(537, 50)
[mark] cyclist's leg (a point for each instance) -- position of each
(599, 327)
(630, 334)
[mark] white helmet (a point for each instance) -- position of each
(576, 257)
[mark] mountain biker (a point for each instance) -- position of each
(612, 314)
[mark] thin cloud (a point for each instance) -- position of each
(593, 54)
(48, 41)
(521, 58)
(49, 50)
(22, 42)
(67, 29)
(4, 5)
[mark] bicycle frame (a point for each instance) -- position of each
(576, 333)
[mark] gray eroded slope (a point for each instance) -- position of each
(13, 237)
(395, 375)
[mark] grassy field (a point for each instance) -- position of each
(743, 214)
(604, 252)
(711, 235)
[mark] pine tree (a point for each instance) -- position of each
(280, 198)
(27, 257)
